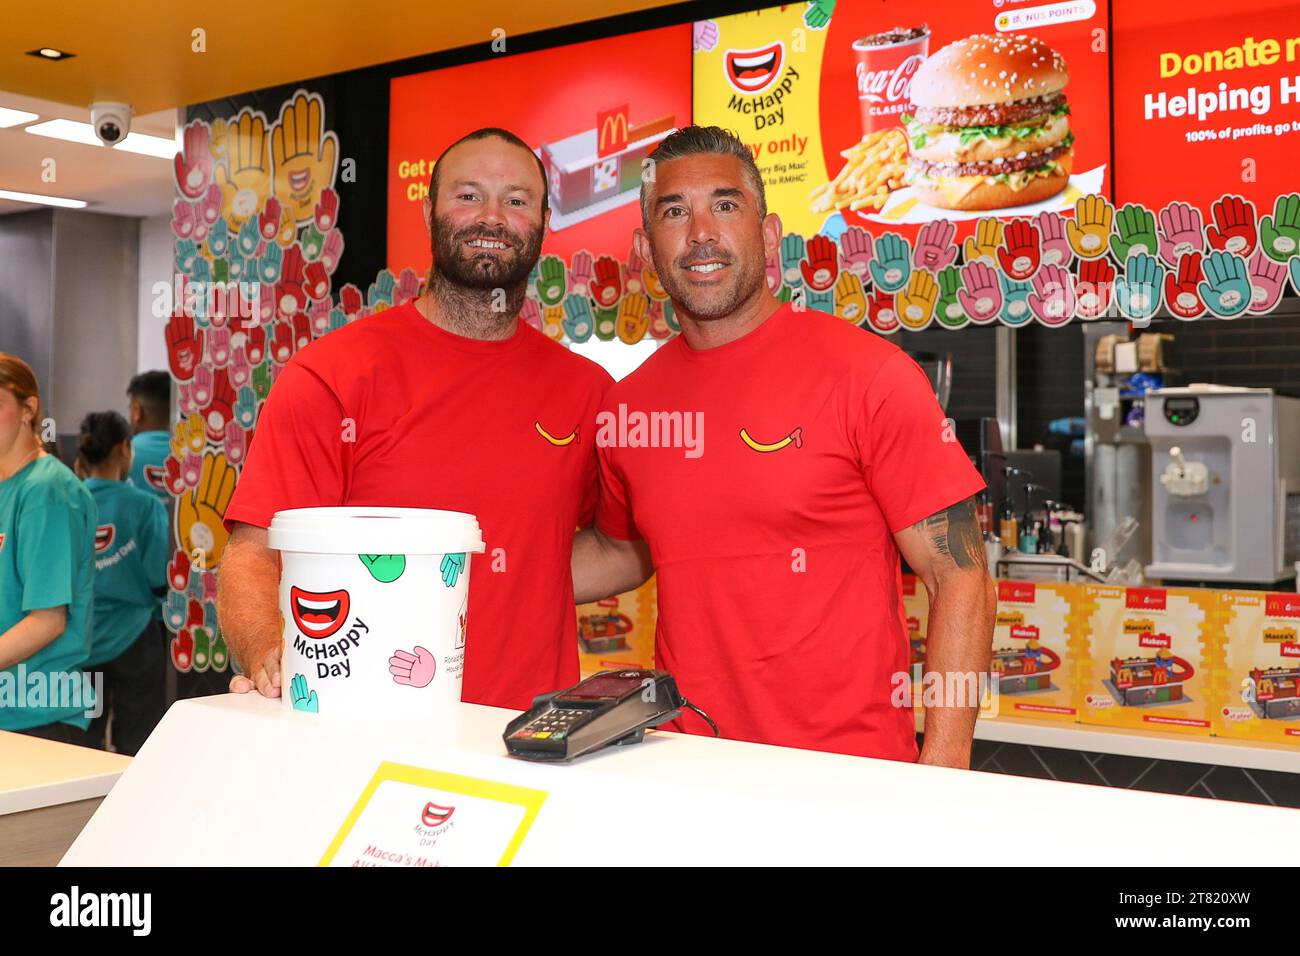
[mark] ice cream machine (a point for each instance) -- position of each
(1225, 477)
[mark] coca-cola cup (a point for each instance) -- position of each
(886, 63)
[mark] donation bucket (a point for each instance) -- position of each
(375, 603)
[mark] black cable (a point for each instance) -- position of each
(689, 706)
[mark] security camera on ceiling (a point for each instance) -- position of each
(111, 122)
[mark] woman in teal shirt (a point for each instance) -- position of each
(47, 567)
(130, 577)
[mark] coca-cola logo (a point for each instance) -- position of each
(888, 86)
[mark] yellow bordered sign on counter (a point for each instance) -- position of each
(412, 816)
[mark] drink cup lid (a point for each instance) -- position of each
(863, 43)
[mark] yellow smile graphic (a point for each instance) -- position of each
(794, 438)
(568, 439)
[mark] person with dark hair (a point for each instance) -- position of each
(447, 402)
(780, 591)
(149, 409)
(131, 551)
(47, 569)
(505, 136)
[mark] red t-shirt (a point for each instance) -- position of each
(448, 422)
(780, 592)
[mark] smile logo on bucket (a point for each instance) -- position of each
(319, 614)
(752, 71)
(434, 815)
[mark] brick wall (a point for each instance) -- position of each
(1263, 352)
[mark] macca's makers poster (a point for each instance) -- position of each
(824, 102)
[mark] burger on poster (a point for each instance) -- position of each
(989, 126)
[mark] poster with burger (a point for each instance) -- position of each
(891, 115)
(943, 109)
(989, 126)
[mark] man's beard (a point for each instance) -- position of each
(462, 267)
(713, 303)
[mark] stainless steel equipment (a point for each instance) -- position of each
(1224, 462)
(1117, 459)
(1056, 567)
(1044, 567)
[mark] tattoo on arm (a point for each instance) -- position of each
(954, 533)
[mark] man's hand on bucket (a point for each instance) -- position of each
(265, 677)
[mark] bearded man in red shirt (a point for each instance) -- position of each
(453, 404)
(818, 455)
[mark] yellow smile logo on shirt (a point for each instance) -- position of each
(794, 438)
(568, 439)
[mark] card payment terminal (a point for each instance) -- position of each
(612, 707)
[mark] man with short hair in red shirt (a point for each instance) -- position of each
(453, 404)
(776, 531)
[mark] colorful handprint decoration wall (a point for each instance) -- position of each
(1099, 262)
(257, 244)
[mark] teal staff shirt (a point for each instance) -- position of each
(150, 450)
(47, 559)
(130, 561)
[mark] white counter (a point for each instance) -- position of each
(37, 773)
(238, 781)
(1132, 742)
(48, 791)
